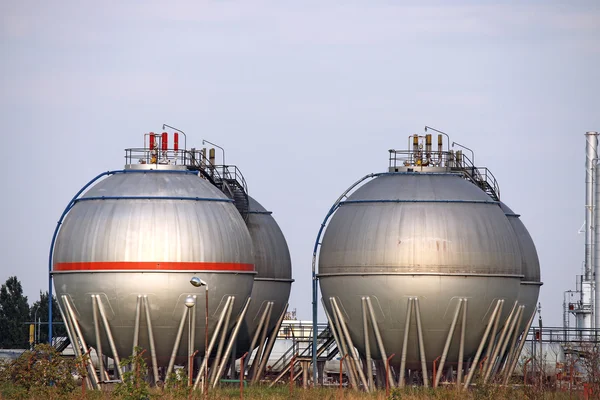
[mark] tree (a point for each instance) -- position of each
(41, 306)
(14, 312)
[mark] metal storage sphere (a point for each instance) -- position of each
(274, 273)
(145, 233)
(432, 236)
(530, 285)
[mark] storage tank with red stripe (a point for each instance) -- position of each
(126, 251)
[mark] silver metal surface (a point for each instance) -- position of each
(586, 320)
(435, 237)
(596, 243)
(161, 234)
(274, 275)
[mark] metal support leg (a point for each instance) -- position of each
(515, 356)
(151, 339)
(91, 368)
(213, 371)
(255, 337)
(136, 327)
(509, 333)
(379, 340)
(447, 345)
(342, 341)
(421, 344)
(481, 344)
(491, 362)
(72, 334)
(98, 340)
(261, 344)
(270, 344)
(402, 371)
(461, 348)
(513, 343)
(492, 344)
(232, 340)
(213, 340)
(368, 360)
(351, 347)
(109, 335)
(176, 345)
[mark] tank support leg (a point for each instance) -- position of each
(345, 350)
(351, 348)
(515, 335)
(379, 340)
(109, 335)
(461, 348)
(492, 343)
(217, 361)
(513, 319)
(519, 349)
(409, 308)
(151, 339)
(73, 334)
(491, 362)
(421, 344)
(232, 340)
(176, 345)
(213, 340)
(481, 344)
(261, 343)
(270, 344)
(136, 327)
(98, 340)
(191, 340)
(368, 361)
(255, 338)
(86, 350)
(436, 379)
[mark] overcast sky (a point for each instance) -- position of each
(306, 97)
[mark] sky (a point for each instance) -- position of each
(306, 98)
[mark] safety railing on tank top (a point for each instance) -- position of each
(232, 172)
(456, 161)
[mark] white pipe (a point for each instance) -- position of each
(591, 154)
(596, 243)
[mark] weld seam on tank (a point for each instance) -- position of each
(325, 275)
(274, 279)
(206, 199)
(418, 201)
(261, 212)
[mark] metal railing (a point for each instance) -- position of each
(453, 160)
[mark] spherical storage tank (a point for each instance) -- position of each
(138, 236)
(272, 283)
(425, 239)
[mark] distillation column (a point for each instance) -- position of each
(596, 243)
(584, 317)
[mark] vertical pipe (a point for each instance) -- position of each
(151, 339)
(447, 345)
(213, 340)
(367, 344)
(342, 340)
(481, 344)
(190, 369)
(232, 340)
(596, 243)
(270, 344)
(176, 345)
(213, 372)
(421, 343)
(378, 337)
(591, 152)
(98, 341)
(461, 348)
(351, 347)
(409, 309)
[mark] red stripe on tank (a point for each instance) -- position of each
(151, 265)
